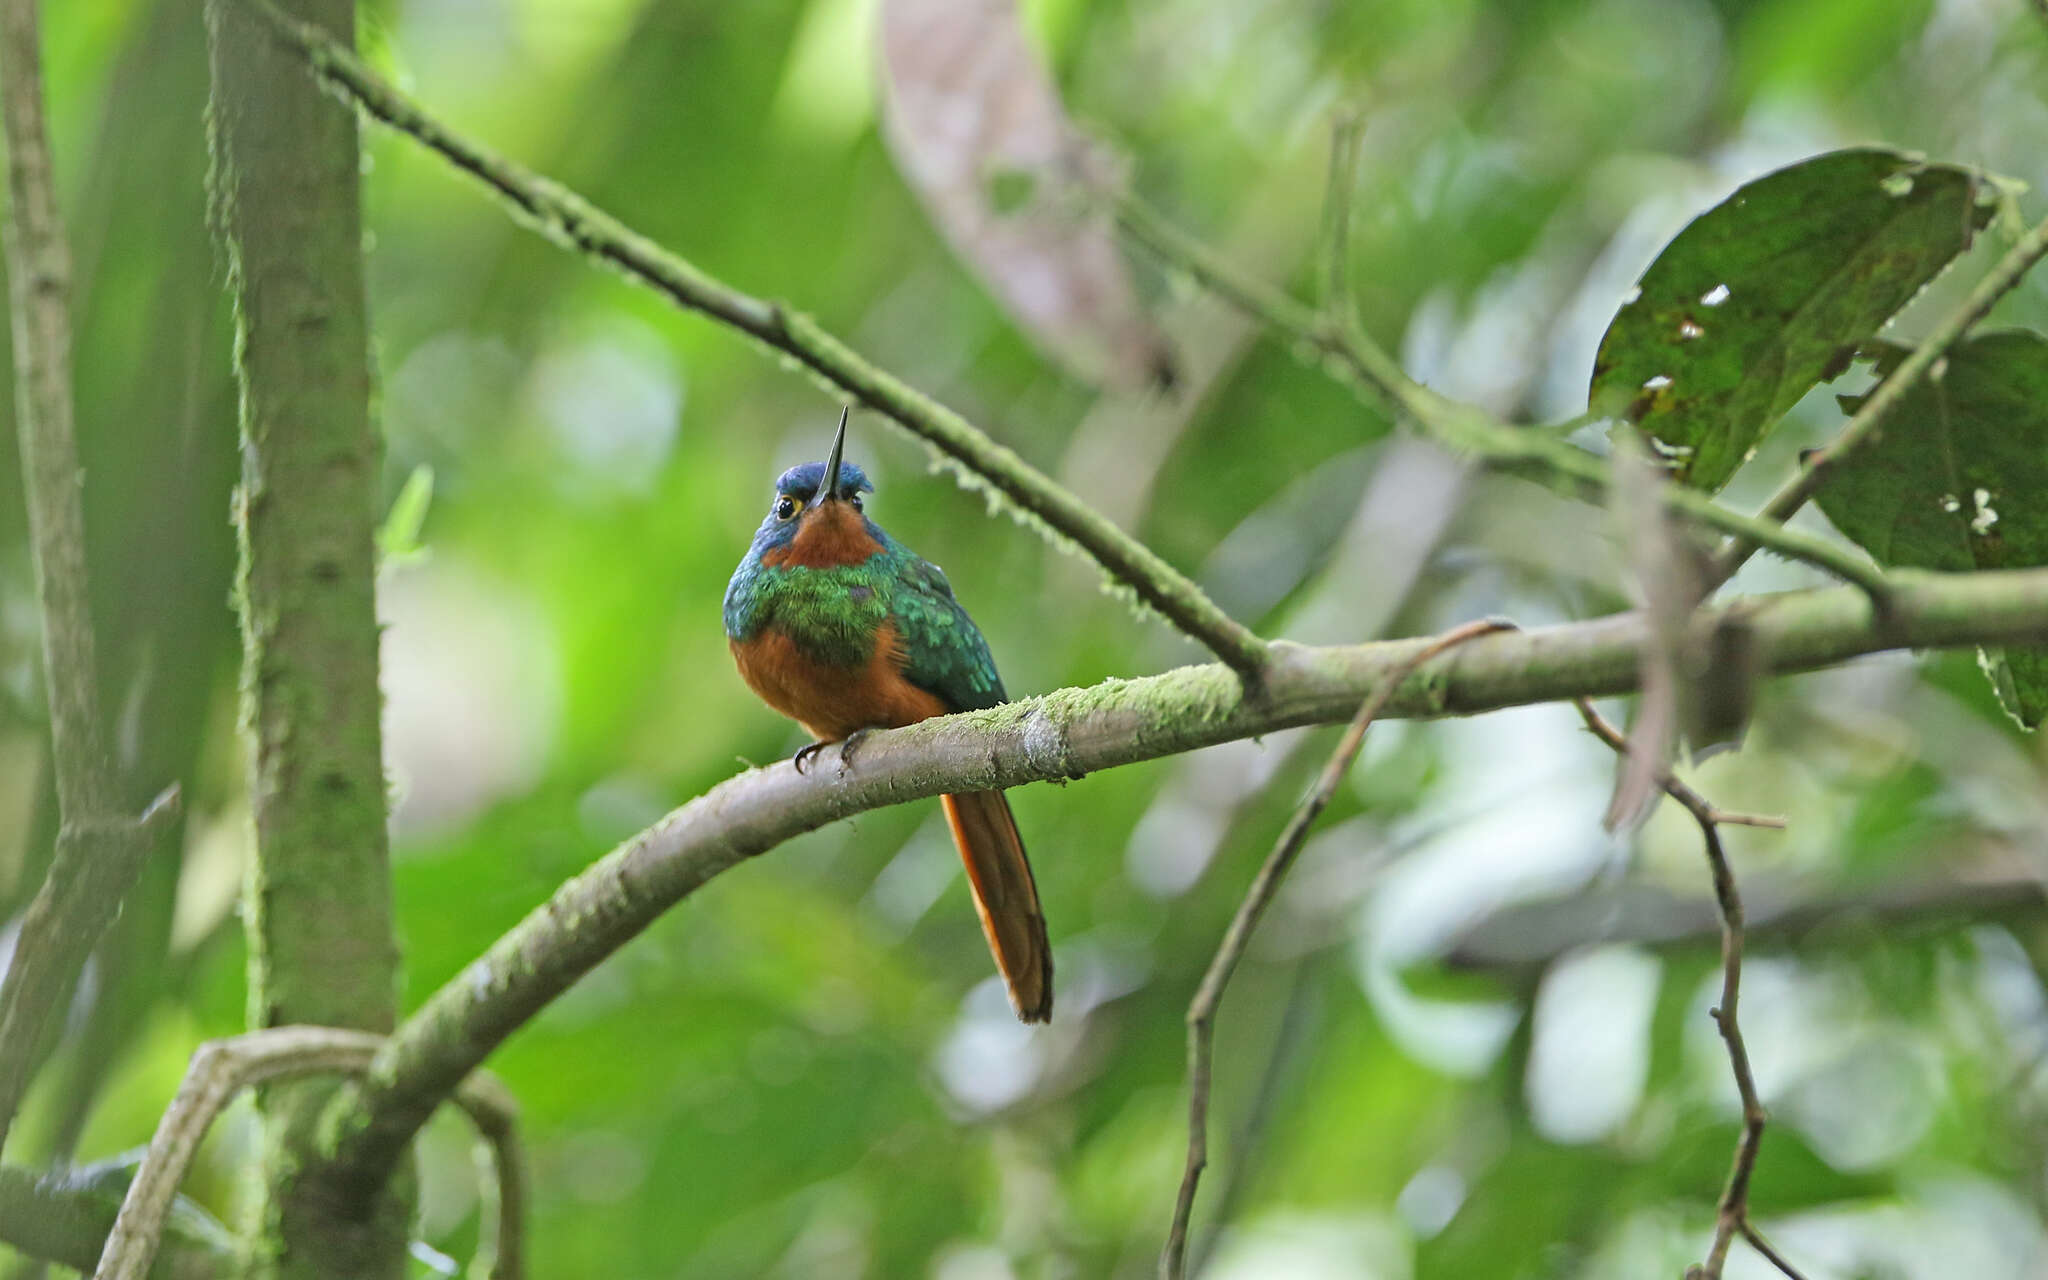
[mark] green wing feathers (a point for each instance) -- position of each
(943, 649)
(945, 654)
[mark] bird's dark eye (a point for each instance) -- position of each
(855, 500)
(785, 507)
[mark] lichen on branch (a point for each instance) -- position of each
(1067, 734)
(318, 909)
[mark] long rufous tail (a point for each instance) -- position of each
(1005, 895)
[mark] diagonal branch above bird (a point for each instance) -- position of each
(843, 629)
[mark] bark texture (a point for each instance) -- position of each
(321, 946)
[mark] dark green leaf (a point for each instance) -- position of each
(1955, 480)
(2024, 691)
(1768, 293)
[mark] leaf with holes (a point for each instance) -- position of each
(1769, 292)
(977, 128)
(1955, 480)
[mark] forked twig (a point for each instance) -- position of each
(1695, 803)
(220, 1069)
(1265, 885)
(1732, 1214)
(1771, 1255)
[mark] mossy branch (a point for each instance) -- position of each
(1068, 734)
(220, 1069)
(287, 166)
(573, 222)
(1530, 453)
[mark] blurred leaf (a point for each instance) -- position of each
(1954, 480)
(977, 127)
(398, 538)
(1520, 1207)
(1722, 687)
(759, 1085)
(1790, 1175)
(1697, 685)
(2020, 677)
(1768, 292)
(1670, 581)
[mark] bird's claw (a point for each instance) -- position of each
(809, 751)
(805, 753)
(846, 749)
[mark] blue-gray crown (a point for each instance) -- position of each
(801, 480)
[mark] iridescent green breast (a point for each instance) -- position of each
(833, 615)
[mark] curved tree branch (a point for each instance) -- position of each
(220, 1069)
(566, 218)
(99, 850)
(1067, 734)
(1074, 731)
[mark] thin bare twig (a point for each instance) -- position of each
(220, 1069)
(1732, 1215)
(1066, 734)
(1363, 361)
(1265, 885)
(1868, 420)
(1734, 1206)
(501, 1178)
(1736, 818)
(1697, 804)
(1293, 1037)
(1764, 1247)
(99, 850)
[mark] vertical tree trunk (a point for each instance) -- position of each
(319, 899)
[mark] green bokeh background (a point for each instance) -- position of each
(806, 1070)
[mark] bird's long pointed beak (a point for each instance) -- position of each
(829, 487)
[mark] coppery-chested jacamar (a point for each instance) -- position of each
(843, 629)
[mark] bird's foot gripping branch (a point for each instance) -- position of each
(1860, 231)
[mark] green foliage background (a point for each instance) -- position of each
(806, 1071)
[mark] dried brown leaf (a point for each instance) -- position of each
(977, 129)
(1669, 586)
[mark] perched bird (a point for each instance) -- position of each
(843, 629)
